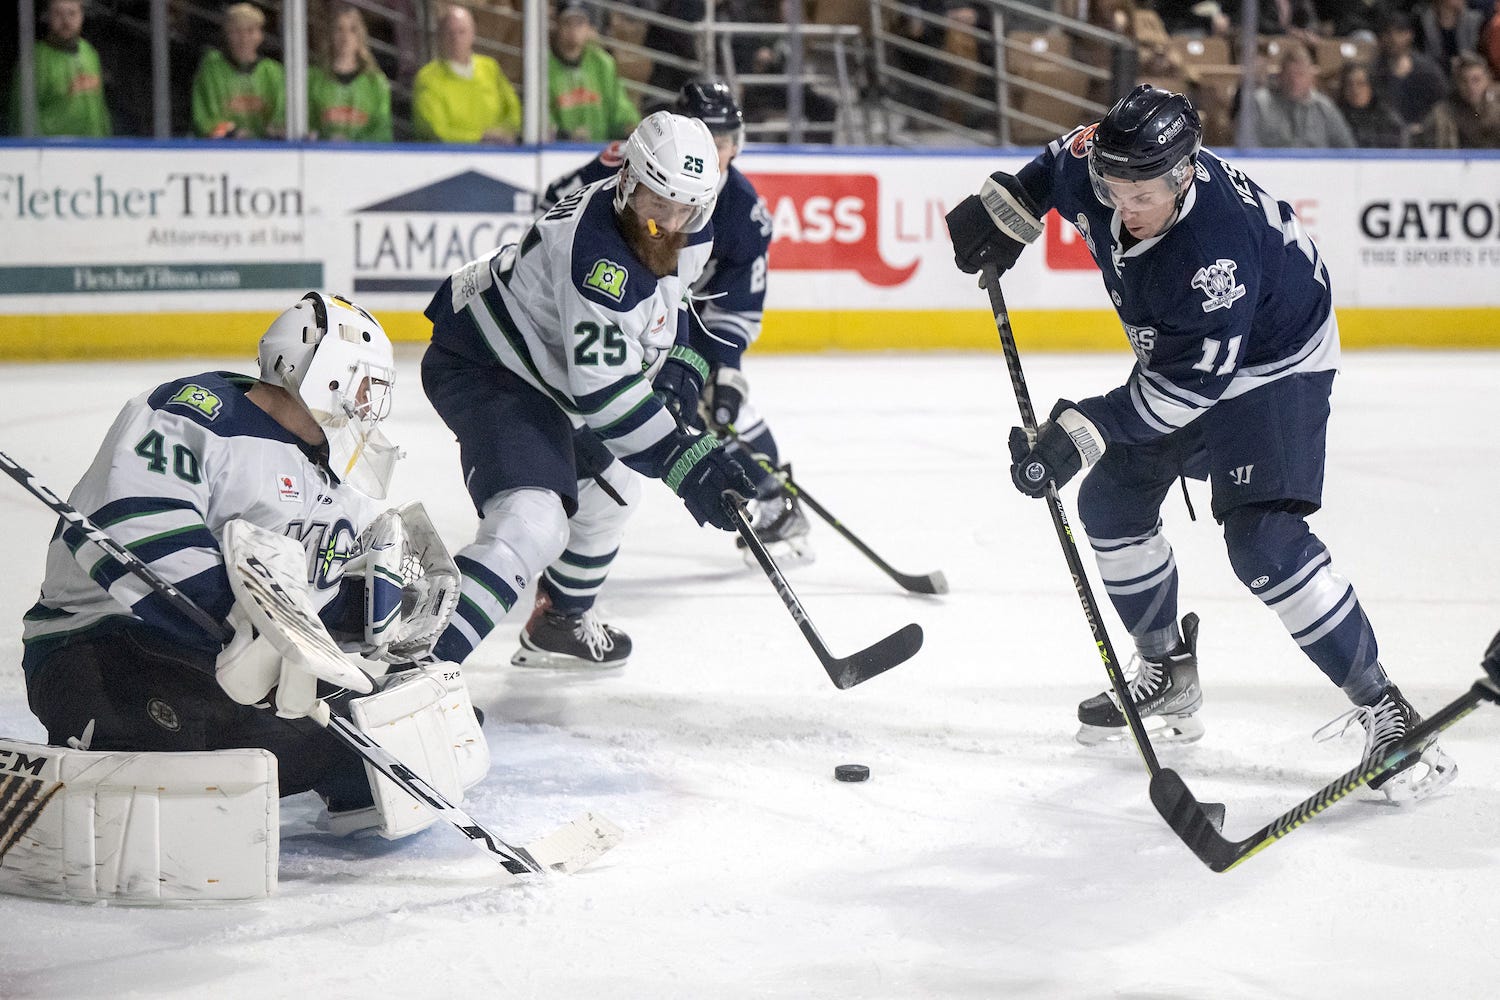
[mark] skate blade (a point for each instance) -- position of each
(1161, 729)
(788, 553)
(1432, 771)
(540, 659)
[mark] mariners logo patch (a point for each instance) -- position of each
(1216, 282)
(195, 397)
(1079, 147)
(608, 277)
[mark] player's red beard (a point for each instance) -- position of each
(659, 253)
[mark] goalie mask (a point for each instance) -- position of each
(333, 357)
(674, 159)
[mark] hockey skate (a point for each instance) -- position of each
(554, 639)
(781, 525)
(1165, 692)
(1386, 722)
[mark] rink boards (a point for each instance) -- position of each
(136, 249)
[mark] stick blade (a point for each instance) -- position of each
(576, 844)
(1191, 820)
(930, 583)
(893, 650)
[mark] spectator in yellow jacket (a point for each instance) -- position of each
(461, 96)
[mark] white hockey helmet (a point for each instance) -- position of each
(334, 357)
(675, 157)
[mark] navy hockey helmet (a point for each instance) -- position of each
(712, 102)
(1148, 133)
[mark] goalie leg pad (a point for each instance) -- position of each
(138, 828)
(425, 718)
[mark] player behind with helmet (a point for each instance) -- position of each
(730, 297)
(1226, 303)
(299, 453)
(542, 363)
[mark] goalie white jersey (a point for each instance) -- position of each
(574, 312)
(180, 462)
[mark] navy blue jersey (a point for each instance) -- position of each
(731, 293)
(1232, 296)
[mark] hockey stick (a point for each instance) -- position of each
(1191, 822)
(847, 671)
(515, 860)
(1070, 544)
(927, 583)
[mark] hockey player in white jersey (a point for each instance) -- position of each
(560, 360)
(112, 665)
(1227, 304)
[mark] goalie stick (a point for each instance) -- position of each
(1189, 820)
(1213, 810)
(926, 583)
(566, 849)
(846, 671)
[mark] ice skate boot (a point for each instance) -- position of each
(1386, 722)
(1165, 692)
(554, 639)
(781, 525)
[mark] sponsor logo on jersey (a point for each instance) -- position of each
(1216, 282)
(195, 397)
(608, 277)
(829, 222)
(287, 490)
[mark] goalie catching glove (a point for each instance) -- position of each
(1066, 443)
(411, 584)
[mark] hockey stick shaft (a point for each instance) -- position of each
(514, 860)
(927, 583)
(845, 672)
(1065, 532)
(1185, 814)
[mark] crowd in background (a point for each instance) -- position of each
(1423, 76)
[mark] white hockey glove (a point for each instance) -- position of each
(279, 643)
(411, 584)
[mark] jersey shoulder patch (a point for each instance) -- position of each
(216, 401)
(603, 267)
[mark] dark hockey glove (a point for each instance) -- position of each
(679, 384)
(1491, 660)
(994, 226)
(1064, 445)
(726, 394)
(699, 470)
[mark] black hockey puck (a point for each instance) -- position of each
(851, 772)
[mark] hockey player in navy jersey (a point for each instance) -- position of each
(1226, 303)
(729, 297)
(559, 362)
(112, 665)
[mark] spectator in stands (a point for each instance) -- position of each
(763, 102)
(237, 92)
(1374, 125)
(682, 44)
(1449, 29)
(1407, 81)
(586, 99)
(1469, 117)
(1291, 111)
(69, 82)
(462, 96)
(1489, 42)
(348, 97)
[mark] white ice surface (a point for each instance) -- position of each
(989, 855)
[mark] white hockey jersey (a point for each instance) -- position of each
(180, 462)
(574, 312)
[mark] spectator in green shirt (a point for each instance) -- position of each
(238, 93)
(69, 88)
(586, 100)
(348, 97)
(461, 96)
